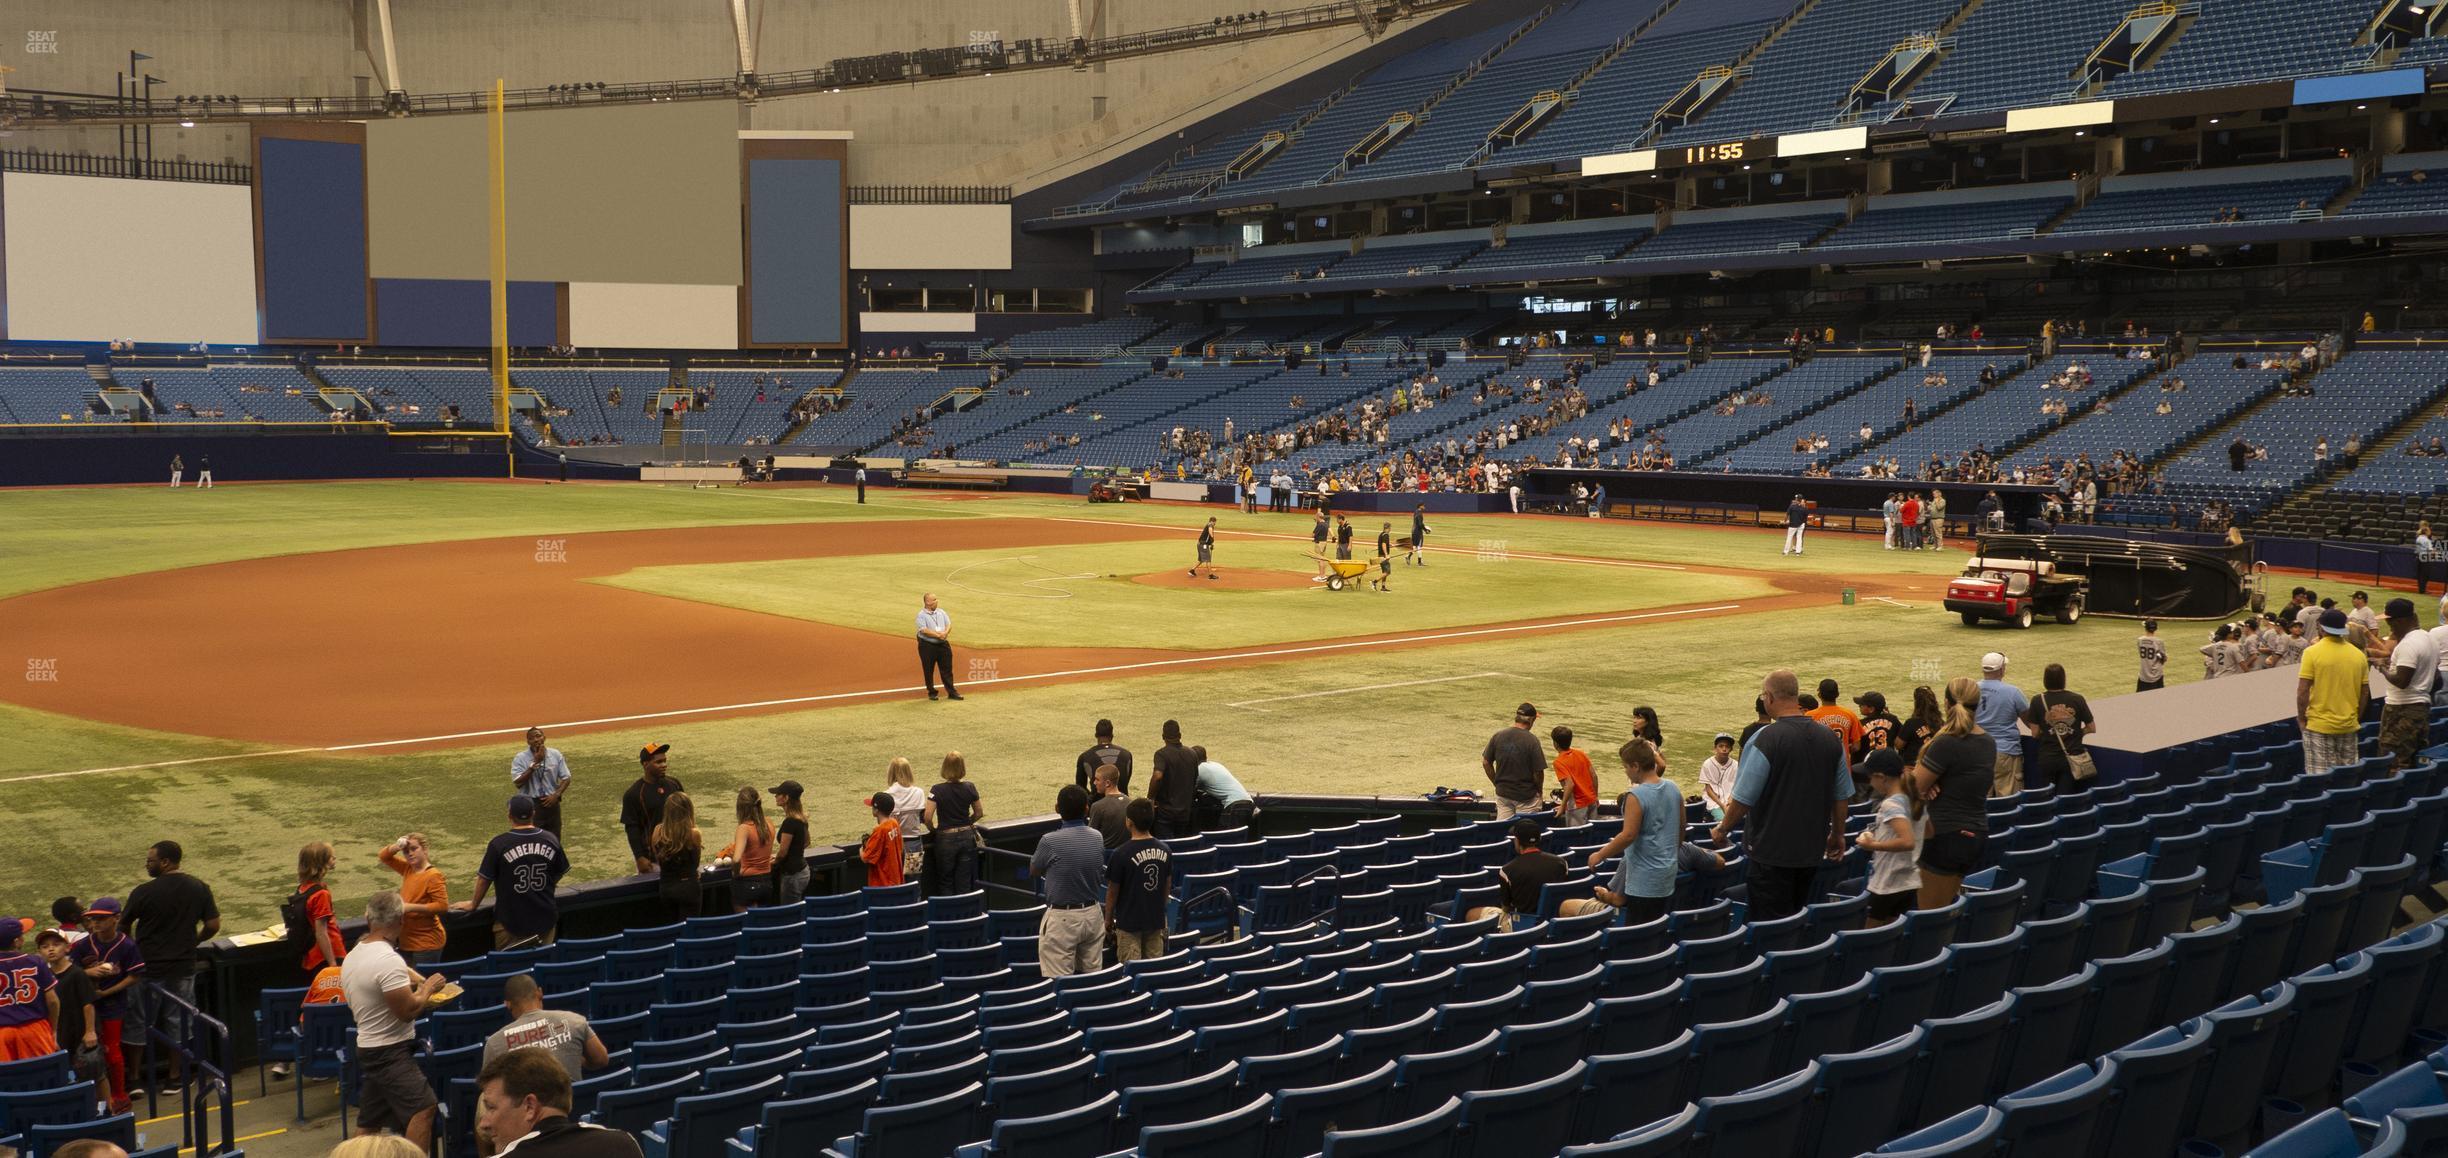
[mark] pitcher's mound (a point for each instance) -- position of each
(1229, 579)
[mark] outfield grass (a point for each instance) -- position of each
(1379, 728)
(1086, 596)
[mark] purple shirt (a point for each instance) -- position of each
(23, 981)
(122, 953)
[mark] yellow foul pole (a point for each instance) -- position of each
(501, 284)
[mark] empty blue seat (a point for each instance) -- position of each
(1426, 1135)
(1428, 1079)
(1189, 1099)
(1829, 1021)
(1625, 1091)
(1303, 1116)
(1232, 1134)
(2049, 1023)
(1083, 1129)
(1733, 1056)
(2129, 995)
(2326, 1002)
(937, 1125)
(783, 1127)
(1525, 1121)
(699, 1125)
(2324, 1135)
(1861, 1098)
(1975, 1131)
(1668, 1138)
(1901, 995)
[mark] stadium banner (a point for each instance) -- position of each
(190, 276)
(871, 322)
(2360, 86)
(1636, 161)
(931, 237)
(2060, 116)
(618, 194)
(798, 241)
(622, 315)
(1823, 141)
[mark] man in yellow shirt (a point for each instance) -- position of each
(2329, 696)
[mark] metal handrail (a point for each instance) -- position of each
(204, 1083)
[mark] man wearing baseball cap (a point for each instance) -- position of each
(642, 804)
(2000, 714)
(1515, 764)
(2330, 690)
(1797, 516)
(2411, 669)
(27, 1003)
(528, 864)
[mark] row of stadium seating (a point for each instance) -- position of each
(2077, 942)
(1615, 66)
(2004, 219)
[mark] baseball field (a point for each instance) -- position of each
(256, 666)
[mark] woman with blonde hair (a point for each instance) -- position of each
(909, 810)
(1952, 782)
(752, 882)
(377, 1146)
(308, 913)
(676, 846)
(952, 813)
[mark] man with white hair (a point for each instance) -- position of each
(385, 997)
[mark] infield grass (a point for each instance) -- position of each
(1090, 595)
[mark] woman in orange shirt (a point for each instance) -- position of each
(427, 897)
(882, 849)
(752, 882)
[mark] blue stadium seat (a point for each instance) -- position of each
(1302, 1116)
(1428, 1079)
(1427, 1135)
(1230, 1134)
(1190, 1099)
(1729, 1057)
(1627, 1090)
(1861, 1098)
(1975, 1131)
(1901, 995)
(1525, 1121)
(699, 1125)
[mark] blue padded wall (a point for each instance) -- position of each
(314, 239)
(439, 312)
(795, 260)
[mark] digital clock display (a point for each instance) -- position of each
(1710, 154)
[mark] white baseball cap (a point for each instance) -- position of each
(1994, 661)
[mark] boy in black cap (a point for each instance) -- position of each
(1878, 725)
(1385, 557)
(1530, 870)
(642, 804)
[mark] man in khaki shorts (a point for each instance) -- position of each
(2001, 715)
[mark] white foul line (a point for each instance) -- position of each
(1370, 688)
(1143, 665)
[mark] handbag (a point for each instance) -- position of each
(2078, 764)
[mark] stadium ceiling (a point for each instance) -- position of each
(36, 108)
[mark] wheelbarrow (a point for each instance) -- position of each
(1341, 573)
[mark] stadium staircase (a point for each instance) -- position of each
(841, 385)
(1034, 413)
(1526, 122)
(1738, 71)
(1386, 135)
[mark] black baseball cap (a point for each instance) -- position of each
(1527, 711)
(2399, 608)
(522, 807)
(1880, 762)
(788, 788)
(1875, 701)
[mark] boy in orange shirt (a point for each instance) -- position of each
(882, 851)
(1572, 768)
